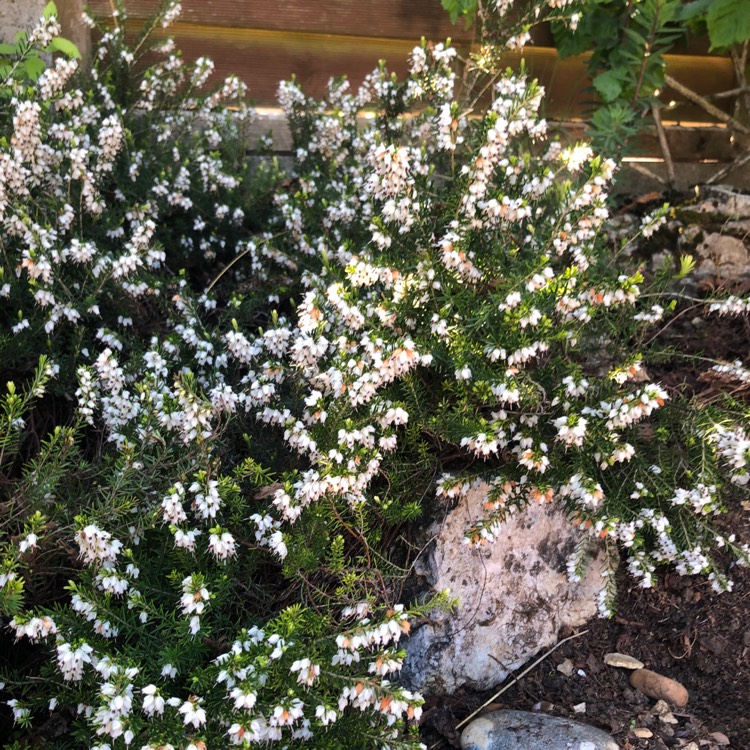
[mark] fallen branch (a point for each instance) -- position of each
(518, 677)
(706, 105)
(663, 143)
(729, 168)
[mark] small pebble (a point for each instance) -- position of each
(661, 709)
(643, 733)
(659, 687)
(579, 708)
(622, 660)
(719, 738)
(565, 667)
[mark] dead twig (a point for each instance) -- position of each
(656, 114)
(646, 172)
(729, 168)
(729, 93)
(518, 677)
(703, 103)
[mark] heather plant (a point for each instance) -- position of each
(465, 286)
(128, 461)
(232, 394)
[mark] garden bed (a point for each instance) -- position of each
(680, 628)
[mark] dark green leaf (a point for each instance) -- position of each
(458, 8)
(65, 46)
(728, 22)
(609, 85)
(693, 10)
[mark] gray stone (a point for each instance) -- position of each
(18, 15)
(624, 661)
(722, 199)
(724, 256)
(521, 730)
(514, 597)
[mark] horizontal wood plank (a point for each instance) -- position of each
(686, 144)
(397, 19)
(263, 58)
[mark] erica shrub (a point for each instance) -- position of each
(234, 393)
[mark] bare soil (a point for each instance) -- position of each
(680, 629)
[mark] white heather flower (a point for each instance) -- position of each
(97, 545)
(571, 430)
(575, 157)
(731, 305)
(71, 661)
(87, 609)
(34, 628)
(325, 715)
(308, 672)
(29, 543)
(285, 715)
(244, 699)
(193, 713)
(222, 546)
(153, 703)
(207, 500)
(186, 539)
(193, 600)
(20, 712)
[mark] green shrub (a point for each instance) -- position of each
(207, 501)
(626, 43)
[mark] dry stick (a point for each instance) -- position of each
(739, 59)
(705, 104)
(722, 173)
(729, 92)
(646, 172)
(518, 677)
(663, 143)
(252, 246)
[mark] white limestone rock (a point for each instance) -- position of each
(514, 595)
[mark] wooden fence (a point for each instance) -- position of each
(265, 42)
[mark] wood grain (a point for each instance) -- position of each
(397, 19)
(265, 42)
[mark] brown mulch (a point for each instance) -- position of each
(680, 629)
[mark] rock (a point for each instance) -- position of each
(579, 708)
(622, 660)
(661, 710)
(659, 687)
(720, 738)
(566, 667)
(521, 730)
(727, 255)
(514, 597)
(722, 199)
(643, 733)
